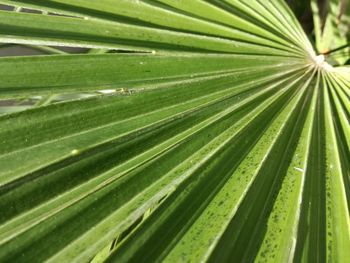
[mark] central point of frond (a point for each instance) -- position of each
(321, 63)
(320, 60)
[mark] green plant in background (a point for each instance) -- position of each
(332, 32)
(224, 137)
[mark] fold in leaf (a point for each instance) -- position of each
(224, 137)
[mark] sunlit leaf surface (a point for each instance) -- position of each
(223, 136)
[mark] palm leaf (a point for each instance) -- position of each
(225, 138)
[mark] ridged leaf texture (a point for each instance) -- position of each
(226, 140)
